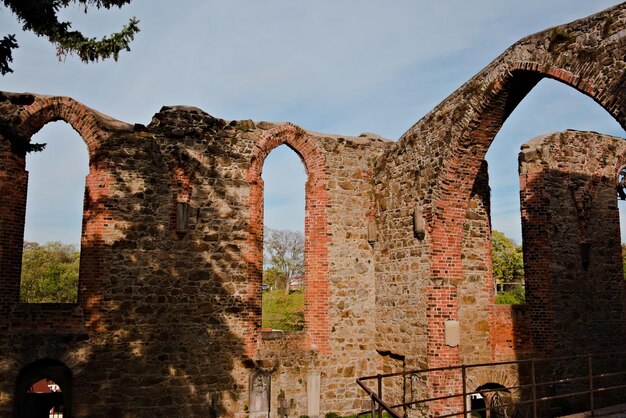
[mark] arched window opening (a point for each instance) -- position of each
(284, 179)
(43, 390)
(54, 213)
(549, 107)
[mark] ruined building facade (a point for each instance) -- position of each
(168, 317)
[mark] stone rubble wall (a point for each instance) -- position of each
(167, 322)
(168, 318)
(434, 166)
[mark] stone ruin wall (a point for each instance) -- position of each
(572, 246)
(428, 178)
(572, 254)
(168, 320)
(168, 317)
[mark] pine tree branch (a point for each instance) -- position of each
(40, 17)
(7, 44)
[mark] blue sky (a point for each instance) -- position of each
(342, 67)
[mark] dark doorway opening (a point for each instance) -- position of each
(44, 389)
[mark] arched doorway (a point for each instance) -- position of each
(44, 389)
(491, 400)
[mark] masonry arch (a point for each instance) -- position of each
(30, 402)
(492, 400)
(456, 135)
(464, 162)
(87, 122)
(493, 390)
(84, 121)
(481, 106)
(502, 376)
(35, 112)
(517, 84)
(316, 289)
(451, 196)
(53, 218)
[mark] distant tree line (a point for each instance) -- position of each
(49, 273)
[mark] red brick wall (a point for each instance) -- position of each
(511, 336)
(476, 291)
(13, 187)
(569, 201)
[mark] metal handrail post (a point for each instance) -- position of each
(380, 395)
(373, 406)
(590, 361)
(534, 384)
(464, 375)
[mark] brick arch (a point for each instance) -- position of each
(461, 167)
(447, 146)
(49, 109)
(569, 54)
(502, 377)
(452, 196)
(506, 377)
(92, 128)
(317, 326)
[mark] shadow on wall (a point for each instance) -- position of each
(170, 303)
(572, 254)
(574, 276)
(573, 271)
(163, 313)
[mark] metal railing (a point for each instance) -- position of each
(581, 383)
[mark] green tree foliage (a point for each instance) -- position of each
(508, 267)
(272, 277)
(506, 258)
(49, 273)
(283, 255)
(40, 17)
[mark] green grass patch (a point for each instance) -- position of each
(284, 312)
(514, 296)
